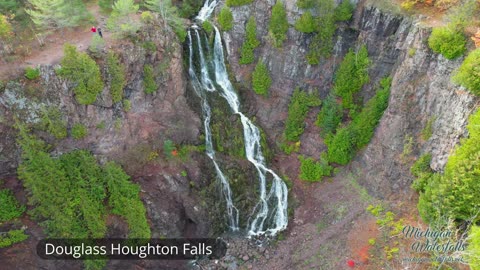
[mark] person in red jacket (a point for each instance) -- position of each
(93, 29)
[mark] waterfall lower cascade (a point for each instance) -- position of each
(269, 216)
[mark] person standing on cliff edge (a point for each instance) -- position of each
(93, 29)
(100, 32)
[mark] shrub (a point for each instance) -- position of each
(79, 131)
(10, 209)
(169, 148)
(146, 17)
(127, 105)
(250, 43)
(427, 131)
(207, 26)
(84, 72)
(447, 41)
(12, 237)
(32, 73)
(149, 46)
(330, 116)
(468, 74)
(278, 25)
(351, 75)
(233, 3)
(314, 171)
(116, 73)
(344, 11)
(52, 122)
(261, 80)
(5, 27)
(149, 83)
(306, 23)
(298, 108)
(225, 19)
(422, 165)
(97, 45)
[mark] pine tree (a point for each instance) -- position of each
(55, 14)
(251, 42)
(121, 20)
(261, 80)
(169, 13)
(306, 23)
(278, 25)
(225, 19)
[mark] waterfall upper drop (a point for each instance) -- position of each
(269, 215)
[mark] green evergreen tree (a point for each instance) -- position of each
(329, 116)
(298, 108)
(169, 13)
(468, 74)
(234, 3)
(278, 25)
(84, 72)
(225, 19)
(344, 11)
(251, 42)
(116, 74)
(306, 23)
(121, 21)
(261, 80)
(447, 41)
(55, 14)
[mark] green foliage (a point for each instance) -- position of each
(251, 42)
(225, 19)
(427, 131)
(461, 15)
(5, 27)
(124, 200)
(447, 41)
(12, 237)
(298, 108)
(261, 80)
(207, 26)
(422, 171)
(97, 45)
(330, 116)
(84, 72)
(421, 165)
(68, 192)
(127, 105)
(146, 17)
(306, 23)
(169, 13)
(10, 209)
(322, 43)
(344, 11)
(289, 147)
(348, 139)
(168, 148)
(55, 14)
(314, 171)
(234, 3)
(116, 74)
(51, 121)
(468, 74)
(455, 193)
(105, 5)
(306, 4)
(121, 21)
(32, 73)
(278, 25)
(351, 75)
(149, 83)
(190, 8)
(79, 131)
(149, 46)
(473, 249)
(341, 146)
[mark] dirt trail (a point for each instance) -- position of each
(52, 52)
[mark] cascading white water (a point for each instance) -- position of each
(269, 215)
(198, 86)
(206, 10)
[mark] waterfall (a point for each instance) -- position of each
(269, 216)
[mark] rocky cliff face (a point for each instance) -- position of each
(397, 47)
(173, 209)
